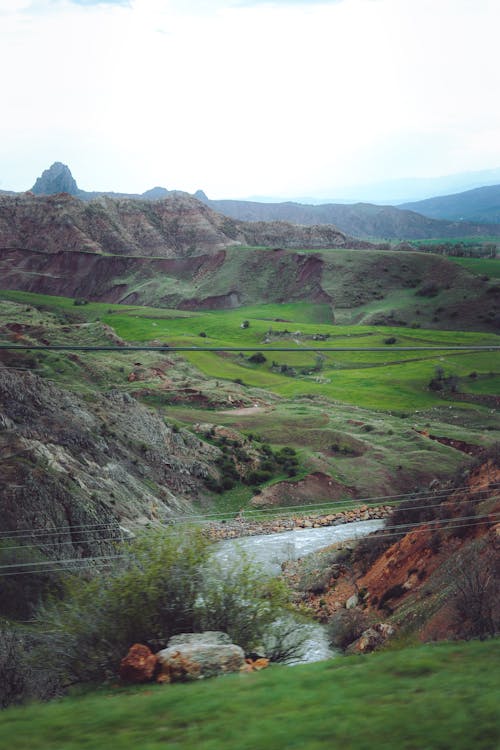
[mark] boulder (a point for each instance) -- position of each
(194, 656)
(368, 641)
(352, 602)
(371, 638)
(138, 665)
(385, 630)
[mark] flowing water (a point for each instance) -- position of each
(270, 550)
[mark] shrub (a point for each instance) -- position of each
(243, 603)
(14, 677)
(257, 359)
(168, 582)
(475, 591)
(428, 289)
(149, 594)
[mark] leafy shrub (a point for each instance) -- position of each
(149, 594)
(257, 359)
(243, 603)
(167, 583)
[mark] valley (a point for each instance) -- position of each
(195, 386)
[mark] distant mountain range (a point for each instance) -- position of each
(474, 213)
(480, 205)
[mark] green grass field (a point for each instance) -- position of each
(481, 266)
(388, 380)
(440, 697)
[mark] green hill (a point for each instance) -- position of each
(437, 697)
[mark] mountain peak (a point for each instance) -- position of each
(201, 196)
(56, 179)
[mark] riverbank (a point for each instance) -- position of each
(242, 527)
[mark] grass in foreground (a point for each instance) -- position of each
(436, 696)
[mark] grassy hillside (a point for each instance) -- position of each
(437, 696)
(357, 417)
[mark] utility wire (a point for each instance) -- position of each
(91, 565)
(166, 348)
(368, 501)
(389, 531)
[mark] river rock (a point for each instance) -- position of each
(368, 641)
(352, 602)
(138, 665)
(192, 656)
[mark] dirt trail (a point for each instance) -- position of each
(247, 410)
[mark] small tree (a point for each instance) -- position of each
(475, 591)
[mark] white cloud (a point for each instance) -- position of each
(247, 97)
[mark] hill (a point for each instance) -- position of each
(439, 696)
(178, 226)
(478, 205)
(363, 220)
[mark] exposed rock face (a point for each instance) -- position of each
(178, 226)
(138, 665)
(193, 656)
(56, 179)
(79, 469)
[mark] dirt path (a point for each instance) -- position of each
(247, 410)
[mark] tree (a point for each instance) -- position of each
(475, 591)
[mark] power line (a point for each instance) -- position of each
(368, 501)
(90, 565)
(175, 348)
(449, 523)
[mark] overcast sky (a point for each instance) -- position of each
(248, 97)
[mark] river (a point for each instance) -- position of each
(270, 550)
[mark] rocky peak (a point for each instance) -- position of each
(201, 196)
(56, 179)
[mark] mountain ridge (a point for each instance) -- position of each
(365, 220)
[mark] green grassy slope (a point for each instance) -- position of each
(357, 417)
(442, 697)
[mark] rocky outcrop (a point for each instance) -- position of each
(77, 472)
(194, 656)
(56, 179)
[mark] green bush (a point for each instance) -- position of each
(148, 595)
(243, 603)
(167, 583)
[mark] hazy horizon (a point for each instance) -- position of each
(246, 98)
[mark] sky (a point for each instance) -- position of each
(248, 97)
